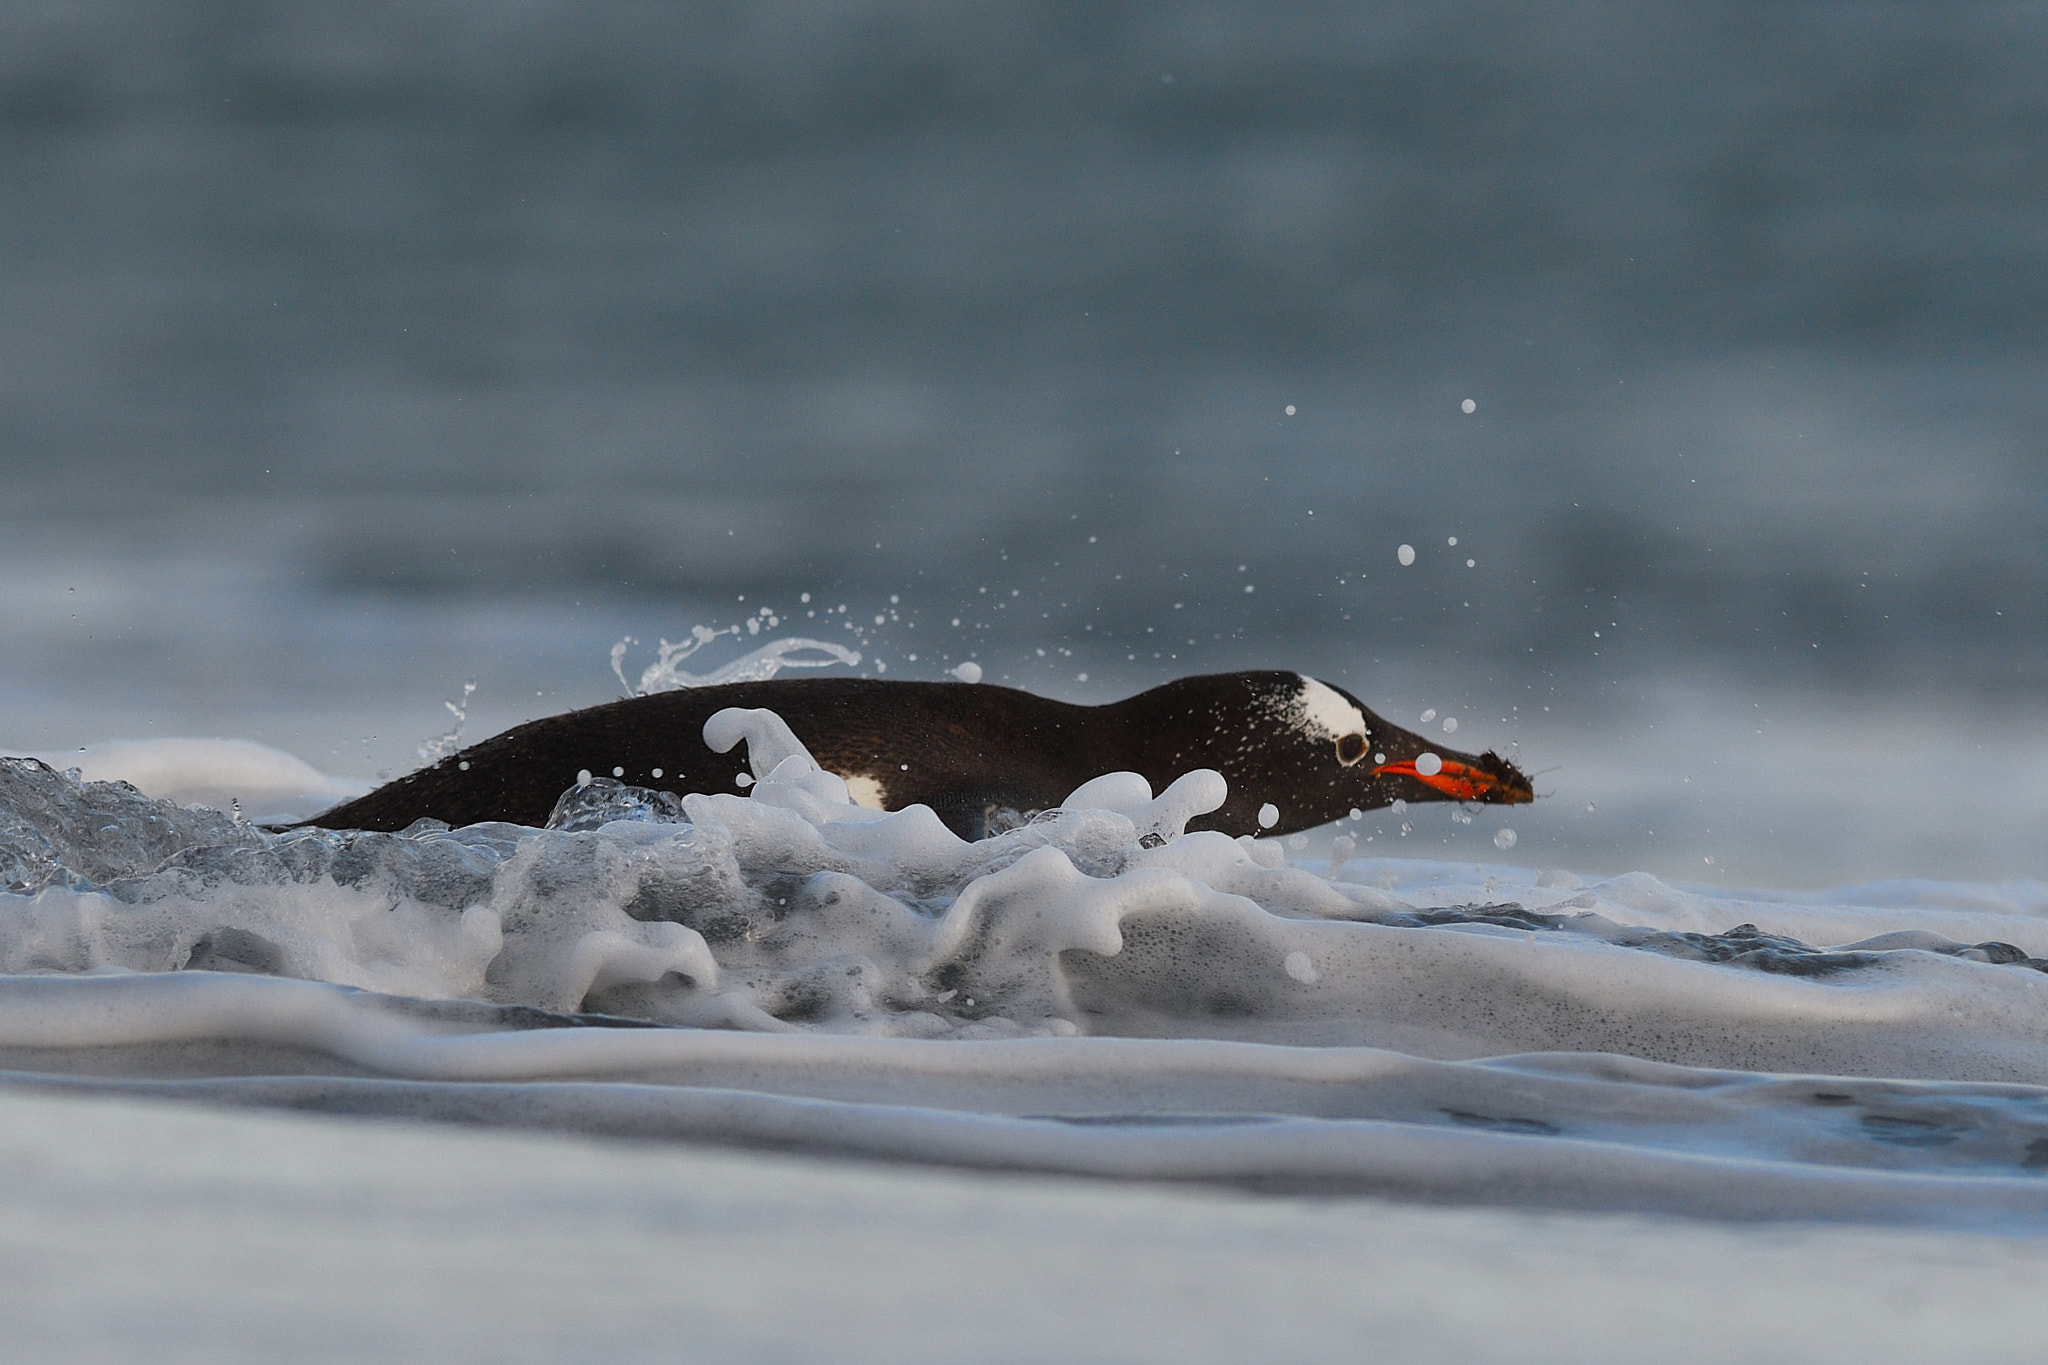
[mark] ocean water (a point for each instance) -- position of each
(1096, 993)
(1713, 338)
(379, 1080)
(368, 376)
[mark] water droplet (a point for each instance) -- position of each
(1503, 838)
(1468, 407)
(583, 778)
(1429, 715)
(1428, 764)
(1450, 725)
(1406, 554)
(1301, 969)
(969, 672)
(1269, 815)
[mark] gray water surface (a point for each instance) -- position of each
(348, 355)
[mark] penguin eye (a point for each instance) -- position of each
(1350, 749)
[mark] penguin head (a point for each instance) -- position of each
(1389, 763)
(1314, 753)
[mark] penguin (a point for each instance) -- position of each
(984, 758)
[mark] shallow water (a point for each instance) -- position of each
(208, 1234)
(1094, 993)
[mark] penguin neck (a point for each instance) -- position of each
(1218, 721)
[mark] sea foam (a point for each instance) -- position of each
(1099, 991)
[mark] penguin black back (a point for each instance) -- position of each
(980, 756)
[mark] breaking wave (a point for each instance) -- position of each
(1097, 991)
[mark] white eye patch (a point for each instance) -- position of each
(1326, 715)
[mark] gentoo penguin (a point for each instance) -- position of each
(983, 757)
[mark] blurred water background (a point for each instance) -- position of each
(350, 353)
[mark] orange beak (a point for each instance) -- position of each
(1464, 782)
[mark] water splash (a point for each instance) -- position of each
(438, 748)
(664, 675)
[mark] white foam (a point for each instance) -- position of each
(807, 951)
(268, 783)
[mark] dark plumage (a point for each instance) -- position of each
(980, 756)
